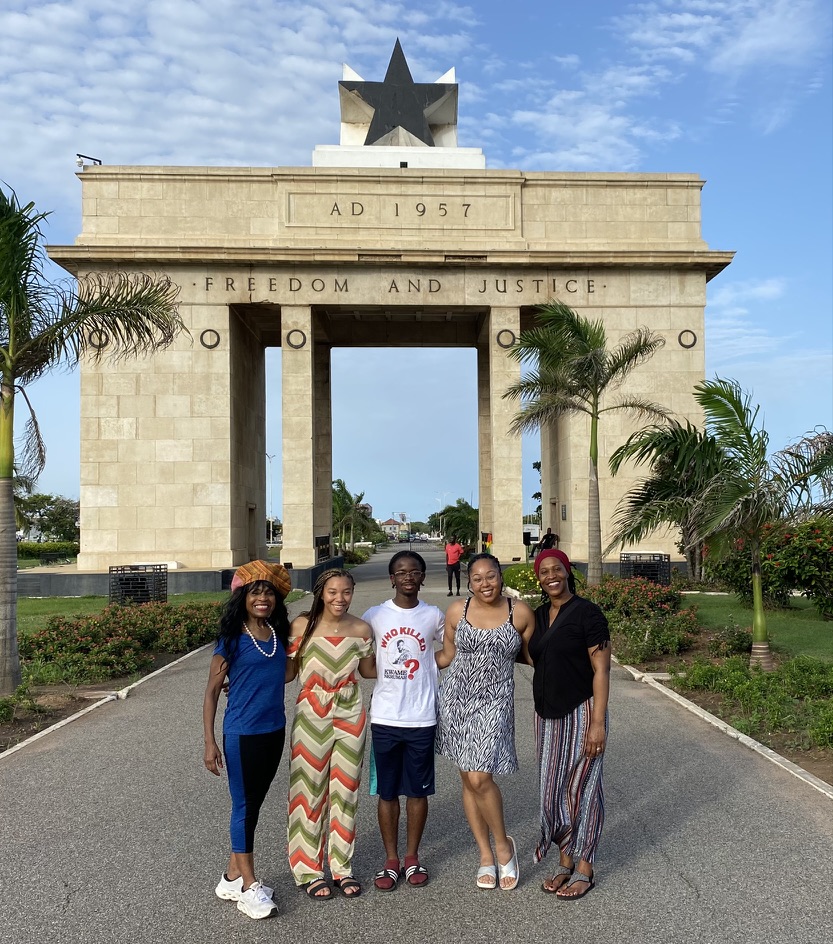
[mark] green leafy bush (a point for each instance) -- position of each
(729, 641)
(633, 597)
(121, 640)
(644, 639)
(795, 698)
(354, 557)
(806, 558)
(799, 559)
(521, 577)
(22, 698)
(32, 550)
(645, 618)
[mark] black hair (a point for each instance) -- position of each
(400, 554)
(484, 556)
(313, 615)
(234, 616)
(476, 558)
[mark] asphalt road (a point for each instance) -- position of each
(112, 831)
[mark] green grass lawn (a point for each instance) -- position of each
(798, 631)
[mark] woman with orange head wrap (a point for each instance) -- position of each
(251, 655)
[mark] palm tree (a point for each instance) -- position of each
(44, 325)
(682, 460)
(461, 520)
(751, 494)
(574, 372)
(349, 511)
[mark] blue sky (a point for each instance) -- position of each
(738, 92)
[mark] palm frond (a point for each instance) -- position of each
(634, 349)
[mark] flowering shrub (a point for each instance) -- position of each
(121, 640)
(806, 558)
(521, 577)
(633, 597)
(799, 559)
(645, 618)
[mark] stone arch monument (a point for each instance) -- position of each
(397, 237)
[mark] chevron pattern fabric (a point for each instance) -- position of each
(328, 737)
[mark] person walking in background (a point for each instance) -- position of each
(251, 654)
(326, 646)
(476, 728)
(453, 552)
(403, 714)
(570, 650)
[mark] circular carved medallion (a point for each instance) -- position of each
(687, 338)
(505, 338)
(98, 339)
(210, 338)
(296, 338)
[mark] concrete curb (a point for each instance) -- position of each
(654, 680)
(120, 695)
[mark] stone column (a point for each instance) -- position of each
(505, 448)
(484, 436)
(323, 439)
(298, 453)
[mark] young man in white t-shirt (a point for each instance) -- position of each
(403, 714)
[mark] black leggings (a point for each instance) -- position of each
(251, 763)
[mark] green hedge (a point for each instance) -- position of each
(32, 550)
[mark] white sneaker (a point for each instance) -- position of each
(232, 889)
(255, 903)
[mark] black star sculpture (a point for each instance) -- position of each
(399, 102)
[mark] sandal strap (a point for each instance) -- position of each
(580, 877)
(392, 874)
(415, 870)
(562, 870)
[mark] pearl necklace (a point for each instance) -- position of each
(267, 655)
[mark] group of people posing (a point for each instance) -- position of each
(467, 714)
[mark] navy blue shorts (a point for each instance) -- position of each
(404, 760)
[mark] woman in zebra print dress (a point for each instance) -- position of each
(476, 727)
(570, 650)
(326, 646)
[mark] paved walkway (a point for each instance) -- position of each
(111, 830)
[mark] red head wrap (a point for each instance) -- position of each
(552, 552)
(270, 571)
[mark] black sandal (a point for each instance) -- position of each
(311, 888)
(348, 886)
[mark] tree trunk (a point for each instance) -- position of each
(761, 655)
(9, 657)
(594, 529)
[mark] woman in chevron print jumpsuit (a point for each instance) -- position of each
(327, 646)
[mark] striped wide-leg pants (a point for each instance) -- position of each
(328, 739)
(572, 798)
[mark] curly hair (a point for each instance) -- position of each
(234, 616)
(313, 615)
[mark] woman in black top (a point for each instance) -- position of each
(570, 649)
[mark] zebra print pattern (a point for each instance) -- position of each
(476, 699)
(328, 737)
(572, 798)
